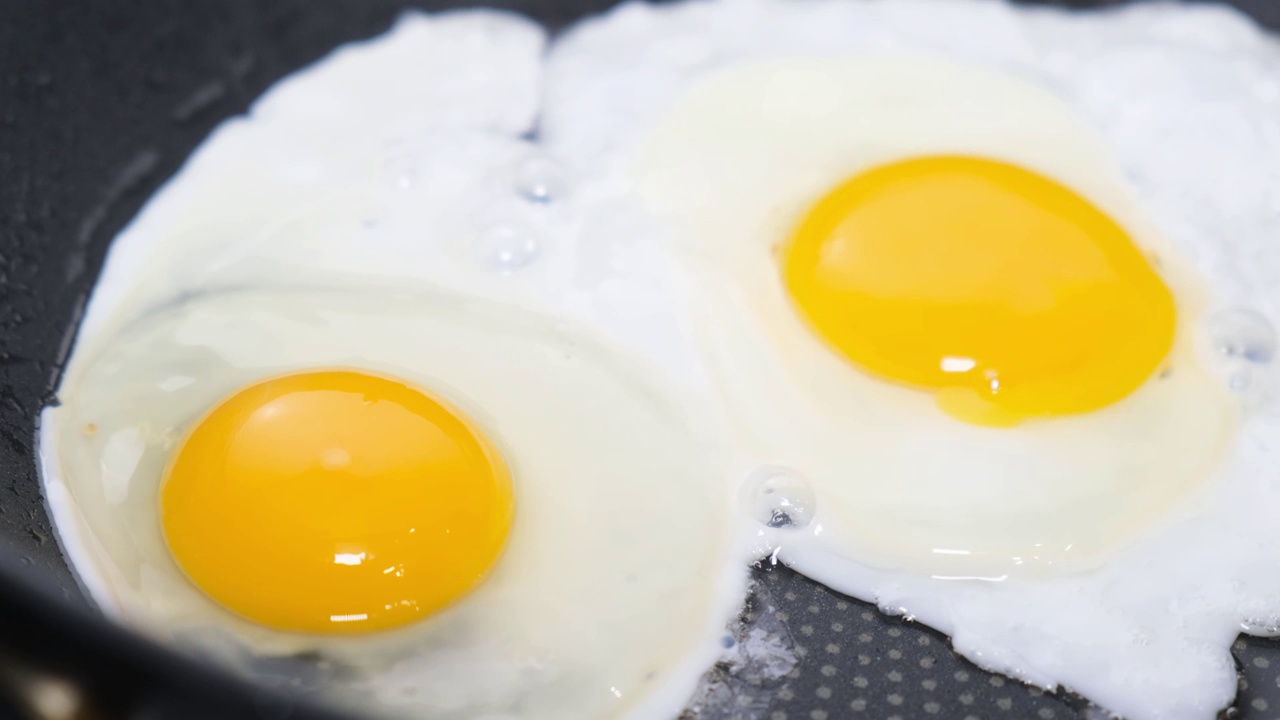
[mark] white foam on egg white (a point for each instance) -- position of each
(405, 162)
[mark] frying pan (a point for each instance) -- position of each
(99, 104)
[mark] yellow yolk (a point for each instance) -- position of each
(335, 501)
(1006, 294)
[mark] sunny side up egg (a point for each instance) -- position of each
(287, 441)
(997, 316)
(317, 505)
(982, 336)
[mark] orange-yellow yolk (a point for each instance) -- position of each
(1001, 291)
(335, 501)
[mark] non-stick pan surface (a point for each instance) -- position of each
(99, 104)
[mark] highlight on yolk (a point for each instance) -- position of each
(335, 501)
(1003, 292)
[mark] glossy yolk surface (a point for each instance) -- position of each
(335, 501)
(1004, 293)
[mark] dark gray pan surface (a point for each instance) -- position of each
(100, 103)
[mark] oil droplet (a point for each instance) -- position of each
(1243, 334)
(779, 498)
(1243, 343)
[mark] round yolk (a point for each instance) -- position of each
(334, 502)
(1006, 294)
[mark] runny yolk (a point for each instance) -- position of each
(335, 502)
(1002, 292)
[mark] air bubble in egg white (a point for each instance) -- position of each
(1244, 345)
(506, 247)
(779, 498)
(540, 180)
(1243, 334)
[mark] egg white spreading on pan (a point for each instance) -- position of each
(1052, 455)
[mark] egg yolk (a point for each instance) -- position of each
(335, 502)
(1004, 293)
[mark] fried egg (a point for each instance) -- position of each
(965, 333)
(286, 441)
